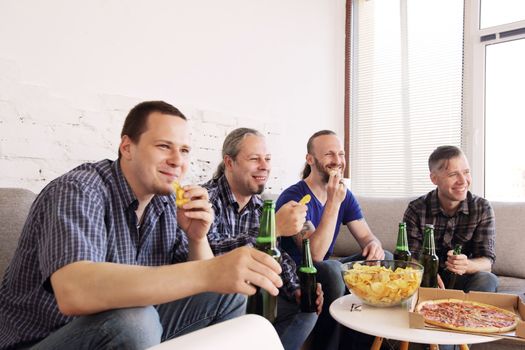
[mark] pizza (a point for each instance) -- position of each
(467, 316)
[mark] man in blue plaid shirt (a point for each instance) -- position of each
(234, 193)
(102, 259)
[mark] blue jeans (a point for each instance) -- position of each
(479, 281)
(142, 327)
(292, 325)
(327, 331)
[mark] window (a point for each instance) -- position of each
(494, 55)
(406, 91)
(498, 12)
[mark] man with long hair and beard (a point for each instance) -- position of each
(234, 194)
(332, 204)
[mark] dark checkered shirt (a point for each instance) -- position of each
(472, 226)
(232, 227)
(86, 214)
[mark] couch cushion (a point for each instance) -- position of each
(511, 285)
(14, 207)
(383, 216)
(510, 236)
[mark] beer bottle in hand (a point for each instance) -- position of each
(429, 259)
(263, 303)
(452, 276)
(402, 252)
(308, 280)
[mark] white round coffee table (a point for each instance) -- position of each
(392, 323)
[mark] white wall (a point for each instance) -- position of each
(70, 70)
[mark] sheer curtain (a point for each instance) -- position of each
(406, 91)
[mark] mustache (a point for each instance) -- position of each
(335, 166)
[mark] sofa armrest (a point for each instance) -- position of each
(247, 331)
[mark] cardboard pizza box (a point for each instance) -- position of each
(505, 301)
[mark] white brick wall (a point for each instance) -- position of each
(42, 136)
(66, 88)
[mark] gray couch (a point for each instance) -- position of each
(14, 207)
(381, 214)
(384, 214)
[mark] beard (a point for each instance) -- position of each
(251, 189)
(260, 189)
(325, 176)
(322, 170)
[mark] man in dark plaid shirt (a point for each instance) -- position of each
(101, 262)
(234, 193)
(459, 217)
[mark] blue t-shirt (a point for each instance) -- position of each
(349, 211)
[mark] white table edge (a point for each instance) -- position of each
(395, 325)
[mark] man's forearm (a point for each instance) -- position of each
(199, 250)
(324, 234)
(223, 245)
(87, 287)
(479, 264)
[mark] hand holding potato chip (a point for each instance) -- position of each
(180, 200)
(333, 172)
(335, 189)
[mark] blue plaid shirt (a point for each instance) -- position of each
(233, 228)
(86, 214)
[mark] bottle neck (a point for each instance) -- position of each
(267, 227)
(429, 246)
(307, 264)
(307, 255)
(402, 241)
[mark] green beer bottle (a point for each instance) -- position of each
(402, 252)
(308, 280)
(263, 303)
(452, 276)
(429, 259)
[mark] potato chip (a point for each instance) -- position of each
(306, 199)
(333, 172)
(180, 200)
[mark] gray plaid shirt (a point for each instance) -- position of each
(86, 214)
(233, 228)
(472, 226)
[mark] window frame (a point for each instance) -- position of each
(474, 66)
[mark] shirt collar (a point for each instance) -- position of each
(436, 206)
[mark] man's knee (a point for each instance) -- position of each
(482, 282)
(389, 255)
(329, 269)
(139, 326)
(329, 275)
(232, 305)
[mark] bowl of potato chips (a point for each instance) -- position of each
(382, 282)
